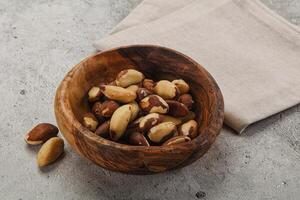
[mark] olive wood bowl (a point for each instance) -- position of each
(157, 63)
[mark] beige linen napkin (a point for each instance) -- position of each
(253, 54)
(150, 10)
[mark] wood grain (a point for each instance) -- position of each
(155, 62)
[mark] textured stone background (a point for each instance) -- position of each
(40, 40)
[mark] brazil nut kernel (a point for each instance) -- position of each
(135, 124)
(137, 139)
(168, 118)
(162, 132)
(189, 129)
(105, 109)
(148, 84)
(177, 109)
(187, 100)
(191, 115)
(118, 93)
(177, 140)
(135, 109)
(154, 104)
(94, 94)
(142, 93)
(129, 77)
(165, 89)
(103, 129)
(133, 88)
(41, 133)
(90, 121)
(50, 151)
(149, 121)
(181, 85)
(119, 122)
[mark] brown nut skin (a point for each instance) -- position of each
(96, 109)
(177, 140)
(165, 89)
(189, 129)
(119, 121)
(162, 132)
(177, 93)
(141, 113)
(94, 94)
(41, 133)
(154, 104)
(90, 121)
(181, 85)
(137, 139)
(142, 93)
(129, 77)
(135, 124)
(148, 84)
(108, 108)
(118, 93)
(177, 109)
(103, 129)
(191, 115)
(50, 151)
(187, 100)
(149, 121)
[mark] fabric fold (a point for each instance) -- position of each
(253, 54)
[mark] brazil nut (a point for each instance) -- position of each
(90, 121)
(135, 124)
(133, 88)
(134, 108)
(187, 100)
(177, 109)
(148, 84)
(94, 94)
(103, 129)
(119, 122)
(154, 104)
(189, 129)
(129, 77)
(137, 139)
(162, 132)
(142, 93)
(165, 89)
(41, 133)
(191, 115)
(177, 140)
(107, 108)
(168, 118)
(96, 109)
(181, 85)
(118, 93)
(149, 121)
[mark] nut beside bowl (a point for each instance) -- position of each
(159, 63)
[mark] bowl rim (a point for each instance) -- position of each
(70, 118)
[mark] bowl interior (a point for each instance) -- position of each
(155, 63)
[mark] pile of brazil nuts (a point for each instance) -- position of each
(138, 111)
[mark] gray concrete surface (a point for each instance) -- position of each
(41, 40)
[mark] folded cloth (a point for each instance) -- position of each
(253, 53)
(150, 10)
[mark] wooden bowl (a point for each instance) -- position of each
(155, 62)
